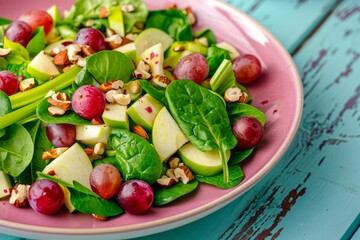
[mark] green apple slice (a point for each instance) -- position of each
(233, 52)
(115, 116)
(202, 163)
(42, 68)
(144, 111)
(154, 56)
(5, 185)
(128, 49)
(167, 137)
(116, 21)
(92, 134)
(151, 36)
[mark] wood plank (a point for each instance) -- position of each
(276, 16)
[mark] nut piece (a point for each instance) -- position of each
(131, 36)
(53, 153)
(135, 87)
(72, 52)
(109, 95)
(243, 98)
(232, 94)
(143, 66)
(140, 131)
(204, 41)
(56, 111)
(173, 162)
(190, 16)
(171, 174)
(128, 8)
(18, 196)
(86, 50)
(61, 59)
(110, 32)
(114, 41)
(161, 80)
(117, 84)
(165, 181)
(122, 99)
(104, 12)
(141, 74)
(91, 154)
(81, 62)
(98, 217)
(4, 52)
(184, 174)
(99, 148)
(60, 100)
(26, 84)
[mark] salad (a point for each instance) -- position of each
(116, 108)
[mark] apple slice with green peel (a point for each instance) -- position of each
(234, 53)
(202, 163)
(92, 134)
(167, 137)
(128, 49)
(116, 20)
(5, 185)
(73, 165)
(151, 36)
(53, 45)
(144, 111)
(42, 68)
(154, 56)
(115, 116)
(54, 13)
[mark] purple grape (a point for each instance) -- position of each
(248, 131)
(91, 37)
(19, 31)
(193, 66)
(9, 82)
(61, 135)
(247, 68)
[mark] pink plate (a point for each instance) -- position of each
(278, 93)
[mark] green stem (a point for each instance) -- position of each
(18, 114)
(62, 81)
(224, 164)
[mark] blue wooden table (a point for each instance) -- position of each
(314, 191)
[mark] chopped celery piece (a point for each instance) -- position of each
(223, 78)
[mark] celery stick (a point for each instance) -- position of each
(62, 81)
(223, 78)
(18, 114)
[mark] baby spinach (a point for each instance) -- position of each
(16, 150)
(136, 156)
(164, 196)
(37, 43)
(84, 77)
(110, 160)
(69, 117)
(110, 65)
(237, 110)
(174, 22)
(208, 34)
(236, 175)
(18, 54)
(86, 201)
(5, 107)
(138, 16)
(215, 56)
(157, 93)
(202, 117)
(238, 155)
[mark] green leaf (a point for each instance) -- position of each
(215, 57)
(4, 21)
(19, 70)
(237, 110)
(110, 65)
(202, 117)
(37, 43)
(156, 93)
(16, 150)
(164, 196)
(210, 36)
(137, 157)
(5, 107)
(139, 15)
(239, 155)
(236, 175)
(84, 78)
(18, 54)
(174, 22)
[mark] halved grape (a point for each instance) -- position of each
(248, 131)
(105, 180)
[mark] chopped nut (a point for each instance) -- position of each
(165, 181)
(128, 8)
(72, 52)
(61, 59)
(122, 99)
(135, 86)
(161, 80)
(60, 100)
(26, 84)
(109, 95)
(140, 131)
(171, 174)
(98, 217)
(173, 162)
(87, 50)
(97, 121)
(232, 94)
(131, 36)
(184, 174)
(56, 111)
(179, 49)
(190, 16)
(53, 153)
(4, 52)
(105, 87)
(140, 74)
(99, 148)
(172, 7)
(114, 41)
(57, 50)
(243, 98)
(143, 66)
(19, 195)
(104, 12)
(81, 62)
(110, 32)
(117, 84)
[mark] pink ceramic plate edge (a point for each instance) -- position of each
(283, 107)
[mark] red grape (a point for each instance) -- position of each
(61, 135)
(135, 196)
(38, 18)
(88, 102)
(248, 132)
(247, 68)
(193, 66)
(20, 32)
(105, 180)
(9, 82)
(91, 37)
(46, 196)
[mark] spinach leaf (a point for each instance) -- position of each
(215, 56)
(202, 117)
(138, 16)
(110, 160)
(84, 77)
(4, 21)
(37, 43)
(157, 93)
(110, 65)
(41, 144)
(19, 70)
(236, 175)
(174, 22)
(237, 110)
(5, 107)
(69, 117)
(238, 155)
(208, 34)
(86, 201)
(18, 54)
(16, 150)
(164, 196)
(137, 157)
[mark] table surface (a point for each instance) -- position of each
(314, 191)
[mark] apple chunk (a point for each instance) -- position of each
(93, 134)
(167, 137)
(5, 185)
(42, 68)
(202, 163)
